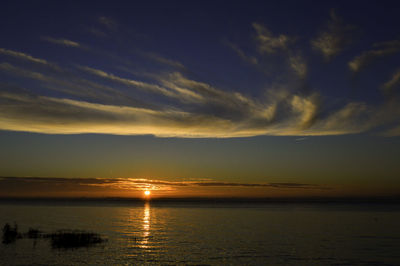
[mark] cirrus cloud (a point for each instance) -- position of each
(380, 50)
(64, 42)
(334, 38)
(52, 98)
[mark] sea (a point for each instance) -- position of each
(207, 233)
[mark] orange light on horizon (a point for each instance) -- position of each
(147, 193)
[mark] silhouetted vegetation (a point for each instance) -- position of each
(61, 239)
(33, 233)
(10, 234)
(74, 239)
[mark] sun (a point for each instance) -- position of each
(147, 193)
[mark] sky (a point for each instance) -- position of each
(199, 98)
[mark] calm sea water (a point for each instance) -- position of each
(215, 234)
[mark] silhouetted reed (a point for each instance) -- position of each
(74, 239)
(33, 233)
(64, 239)
(10, 234)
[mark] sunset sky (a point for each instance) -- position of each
(200, 98)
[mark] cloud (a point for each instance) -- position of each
(250, 59)
(269, 44)
(204, 93)
(22, 72)
(395, 81)
(307, 108)
(66, 82)
(299, 66)
(64, 42)
(65, 116)
(43, 114)
(129, 82)
(195, 108)
(25, 184)
(90, 100)
(273, 185)
(165, 61)
(23, 56)
(334, 38)
(212, 113)
(390, 85)
(352, 118)
(174, 85)
(381, 49)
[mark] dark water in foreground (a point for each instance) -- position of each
(205, 233)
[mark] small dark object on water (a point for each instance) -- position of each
(10, 234)
(33, 233)
(74, 239)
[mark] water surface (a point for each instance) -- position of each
(205, 233)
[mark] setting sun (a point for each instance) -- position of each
(147, 193)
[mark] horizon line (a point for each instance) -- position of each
(297, 199)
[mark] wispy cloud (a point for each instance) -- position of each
(267, 42)
(64, 116)
(307, 109)
(165, 61)
(174, 102)
(203, 92)
(24, 184)
(351, 118)
(42, 114)
(390, 85)
(21, 72)
(23, 56)
(64, 42)
(298, 64)
(248, 58)
(334, 38)
(130, 82)
(380, 50)
(273, 185)
(218, 113)
(67, 82)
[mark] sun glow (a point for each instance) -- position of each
(147, 193)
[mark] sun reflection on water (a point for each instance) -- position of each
(143, 243)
